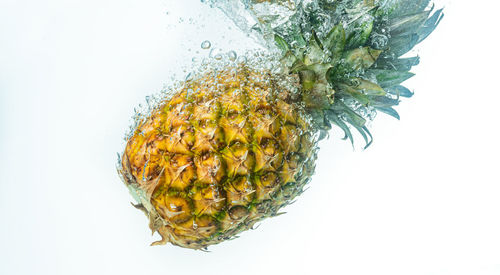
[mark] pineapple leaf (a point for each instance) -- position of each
(360, 97)
(400, 91)
(281, 43)
(387, 78)
(365, 134)
(314, 52)
(430, 25)
(400, 45)
(409, 24)
(350, 115)
(402, 7)
(335, 42)
(390, 111)
(333, 117)
(359, 36)
(400, 64)
(369, 88)
(361, 58)
(383, 101)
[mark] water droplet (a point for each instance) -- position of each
(206, 45)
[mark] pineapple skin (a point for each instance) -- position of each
(227, 150)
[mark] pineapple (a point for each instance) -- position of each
(211, 163)
(233, 145)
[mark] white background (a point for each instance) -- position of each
(423, 199)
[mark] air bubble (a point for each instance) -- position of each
(242, 59)
(206, 45)
(232, 55)
(379, 41)
(215, 53)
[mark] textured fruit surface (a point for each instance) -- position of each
(227, 150)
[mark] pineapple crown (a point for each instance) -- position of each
(348, 55)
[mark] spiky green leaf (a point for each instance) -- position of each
(398, 64)
(335, 42)
(388, 78)
(369, 87)
(359, 35)
(361, 58)
(408, 24)
(334, 118)
(390, 111)
(400, 91)
(430, 25)
(382, 101)
(281, 43)
(357, 95)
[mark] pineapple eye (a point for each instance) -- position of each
(263, 110)
(238, 212)
(232, 114)
(205, 156)
(203, 123)
(269, 179)
(288, 190)
(264, 142)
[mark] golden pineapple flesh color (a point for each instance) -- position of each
(227, 150)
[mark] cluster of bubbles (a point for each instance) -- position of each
(261, 19)
(214, 62)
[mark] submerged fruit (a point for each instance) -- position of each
(235, 144)
(227, 150)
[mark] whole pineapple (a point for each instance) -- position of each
(234, 145)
